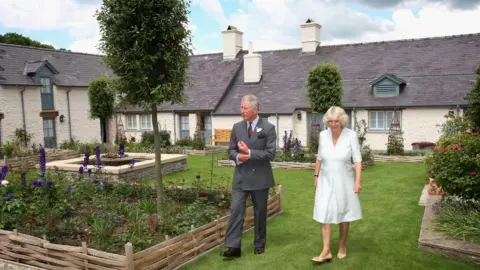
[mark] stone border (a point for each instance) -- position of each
(436, 242)
(67, 165)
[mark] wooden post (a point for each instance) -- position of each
(129, 256)
(85, 250)
(280, 194)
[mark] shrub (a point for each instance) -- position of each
(148, 138)
(368, 158)
(455, 166)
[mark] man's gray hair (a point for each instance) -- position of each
(253, 101)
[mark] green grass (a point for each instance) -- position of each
(386, 237)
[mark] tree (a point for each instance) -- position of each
(147, 44)
(473, 98)
(324, 87)
(101, 98)
(18, 39)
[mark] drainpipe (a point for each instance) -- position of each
(458, 109)
(68, 111)
(278, 130)
(174, 139)
(23, 111)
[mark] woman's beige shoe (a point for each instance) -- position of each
(320, 259)
(341, 256)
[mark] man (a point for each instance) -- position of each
(252, 146)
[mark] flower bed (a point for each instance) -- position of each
(50, 221)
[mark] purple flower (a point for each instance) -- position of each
(298, 145)
(121, 151)
(49, 183)
(42, 163)
(3, 172)
(102, 185)
(89, 172)
(69, 188)
(80, 170)
(9, 198)
(69, 212)
(132, 163)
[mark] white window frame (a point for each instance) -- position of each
(146, 122)
(385, 127)
(132, 124)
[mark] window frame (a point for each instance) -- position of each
(149, 122)
(385, 127)
(135, 124)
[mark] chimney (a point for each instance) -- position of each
(252, 66)
(232, 42)
(310, 36)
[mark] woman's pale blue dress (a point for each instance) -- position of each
(335, 198)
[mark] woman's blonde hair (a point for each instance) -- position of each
(336, 113)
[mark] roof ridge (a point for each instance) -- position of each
(46, 49)
(373, 42)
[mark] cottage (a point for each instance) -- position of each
(419, 79)
(45, 92)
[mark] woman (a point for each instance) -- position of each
(336, 198)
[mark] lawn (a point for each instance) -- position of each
(386, 238)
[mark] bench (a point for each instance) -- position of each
(222, 136)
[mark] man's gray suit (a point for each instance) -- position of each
(253, 177)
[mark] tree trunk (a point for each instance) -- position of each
(158, 160)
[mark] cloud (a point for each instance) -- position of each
(74, 16)
(279, 27)
(276, 28)
(213, 8)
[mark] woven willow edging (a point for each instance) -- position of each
(412, 159)
(169, 254)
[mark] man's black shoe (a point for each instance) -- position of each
(259, 250)
(232, 252)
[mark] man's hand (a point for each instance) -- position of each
(243, 157)
(243, 148)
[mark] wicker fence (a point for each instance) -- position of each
(25, 163)
(169, 254)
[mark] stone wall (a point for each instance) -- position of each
(167, 168)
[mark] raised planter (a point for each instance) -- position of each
(169, 254)
(436, 242)
(144, 167)
(26, 163)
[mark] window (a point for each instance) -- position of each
(146, 121)
(46, 93)
(132, 122)
(382, 120)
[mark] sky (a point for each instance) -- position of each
(268, 24)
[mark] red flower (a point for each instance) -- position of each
(452, 147)
(202, 194)
(444, 150)
(475, 134)
(469, 132)
(474, 173)
(435, 149)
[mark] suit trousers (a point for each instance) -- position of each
(233, 236)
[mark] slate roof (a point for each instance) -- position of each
(210, 77)
(437, 72)
(75, 69)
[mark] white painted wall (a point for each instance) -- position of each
(83, 128)
(418, 124)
